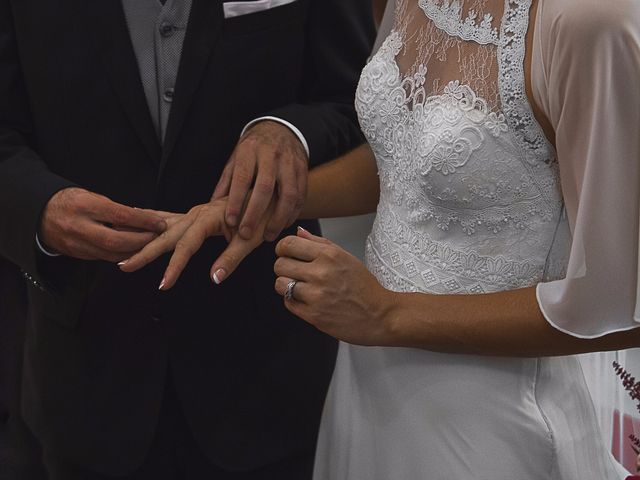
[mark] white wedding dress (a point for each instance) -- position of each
(472, 202)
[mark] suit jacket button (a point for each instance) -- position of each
(166, 29)
(168, 95)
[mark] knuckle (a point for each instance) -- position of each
(243, 176)
(231, 258)
(288, 243)
(331, 253)
(250, 140)
(269, 152)
(323, 273)
(290, 195)
(185, 247)
(277, 266)
(264, 187)
(195, 211)
(111, 243)
(65, 224)
(120, 216)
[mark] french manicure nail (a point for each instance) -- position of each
(219, 276)
(162, 284)
(122, 263)
(300, 229)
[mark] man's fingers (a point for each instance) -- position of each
(260, 199)
(114, 241)
(113, 213)
(243, 175)
(222, 188)
(87, 251)
(288, 199)
(302, 178)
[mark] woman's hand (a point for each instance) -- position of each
(186, 233)
(334, 291)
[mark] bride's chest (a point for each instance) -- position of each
(451, 127)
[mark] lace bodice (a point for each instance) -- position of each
(470, 199)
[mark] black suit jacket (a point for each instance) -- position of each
(251, 378)
(12, 315)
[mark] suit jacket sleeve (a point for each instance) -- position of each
(26, 184)
(340, 35)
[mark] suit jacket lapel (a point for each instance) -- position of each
(122, 69)
(205, 24)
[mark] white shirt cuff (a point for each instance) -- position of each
(290, 126)
(44, 250)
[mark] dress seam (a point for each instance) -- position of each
(551, 438)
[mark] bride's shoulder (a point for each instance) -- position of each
(590, 16)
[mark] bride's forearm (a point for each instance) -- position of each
(343, 187)
(498, 324)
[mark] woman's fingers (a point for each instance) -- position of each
(185, 248)
(161, 245)
(238, 249)
(233, 255)
(299, 248)
(306, 234)
(207, 221)
(290, 267)
(300, 293)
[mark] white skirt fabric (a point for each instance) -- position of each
(407, 414)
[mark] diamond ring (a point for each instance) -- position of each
(288, 293)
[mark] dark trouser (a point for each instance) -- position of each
(175, 455)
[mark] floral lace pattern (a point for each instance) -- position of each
(448, 17)
(470, 195)
(422, 264)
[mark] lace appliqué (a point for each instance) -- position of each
(515, 103)
(415, 137)
(448, 17)
(404, 259)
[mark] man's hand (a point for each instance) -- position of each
(270, 154)
(88, 226)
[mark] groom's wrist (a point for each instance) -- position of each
(296, 131)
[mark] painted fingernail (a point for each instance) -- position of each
(300, 229)
(123, 263)
(219, 276)
(162, 284)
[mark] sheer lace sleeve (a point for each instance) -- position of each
(586, 69)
